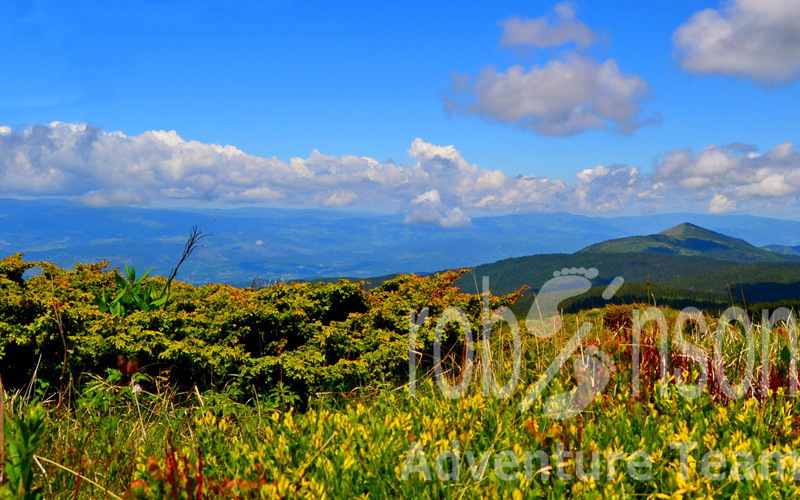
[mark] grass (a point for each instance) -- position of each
(111, 440)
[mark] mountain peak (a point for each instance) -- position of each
(691, 240)
(688, 230)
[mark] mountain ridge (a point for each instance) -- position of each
(682, 270)
(690, 240)
(289, 244)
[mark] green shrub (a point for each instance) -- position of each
(307, 336)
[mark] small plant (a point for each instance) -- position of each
(282, 397)
(132, 295)
(23, 437)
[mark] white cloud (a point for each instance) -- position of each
(256, 194)
(719, 179)
(438, 186)
(733, 175)
(564, 96)
(756, 39)
(428, 209)
(429, 197)
(558, 28)
(561, 98)
(338, 198)
(719, 204)
(611, 189)
(111, 197)
(159, 167)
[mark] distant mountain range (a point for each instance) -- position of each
(293, 244)
(783, 249)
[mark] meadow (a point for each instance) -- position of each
(119, 386)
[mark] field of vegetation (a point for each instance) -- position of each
(126, 386)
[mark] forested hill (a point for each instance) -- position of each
(691, 240)
(685, 261)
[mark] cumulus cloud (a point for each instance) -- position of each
(339, 198)
(719, 204)
(558, 28)
(564, 96)
(561, 98)
(717, 179)
(437, 186)
(428, 209)
(732, 175)
(102, 168)
(755, 39)
(603, 189)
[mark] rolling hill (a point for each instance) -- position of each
(686, 262)
(691, 240)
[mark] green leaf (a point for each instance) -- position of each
(130, 273)
(145, 275)
(120, 281)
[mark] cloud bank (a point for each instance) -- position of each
(102, 168)
(437, 186)
(754, 39)
(565, 96)
(734, 175)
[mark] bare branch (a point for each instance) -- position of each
(192, 243)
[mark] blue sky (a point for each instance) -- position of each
(281, 79)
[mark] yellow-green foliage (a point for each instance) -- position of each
(360, 448)
(215, 412)
(308, 335)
